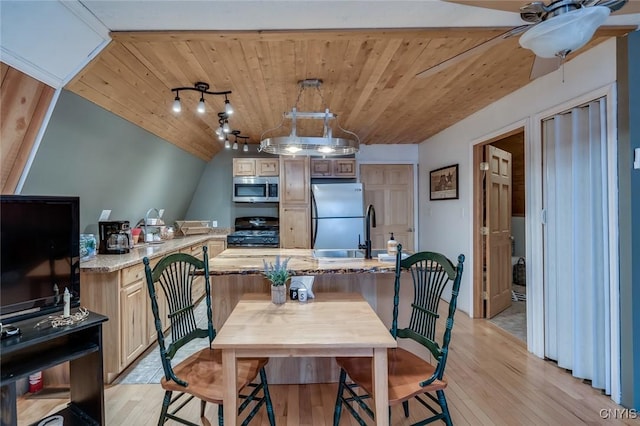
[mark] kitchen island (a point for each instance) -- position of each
(236, 271)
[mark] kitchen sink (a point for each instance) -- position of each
(339, 253)
(345, 253)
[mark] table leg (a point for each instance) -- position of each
(381, 386)
(229, 374)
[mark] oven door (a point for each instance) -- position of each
(254, 190)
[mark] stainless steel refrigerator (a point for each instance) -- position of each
(337, 215)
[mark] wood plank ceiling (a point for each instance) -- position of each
(369, 80)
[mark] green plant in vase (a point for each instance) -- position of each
(278, 274)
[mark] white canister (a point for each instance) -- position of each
(302, 294)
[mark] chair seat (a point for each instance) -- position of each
(406, 371)
(203, 373)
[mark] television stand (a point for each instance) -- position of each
(37, 349)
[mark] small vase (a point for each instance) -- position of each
(278, 294)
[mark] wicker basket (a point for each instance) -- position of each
(192, 227)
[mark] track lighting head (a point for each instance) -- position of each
(176, 103)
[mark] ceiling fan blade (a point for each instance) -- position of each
(544, 66)
(632, 6)
(476, 50)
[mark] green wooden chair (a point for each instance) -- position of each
(410, 376)
(199, 375)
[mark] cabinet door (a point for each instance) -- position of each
(216, 247)
(295, 227)
(294, 180)
(344, 167)
(268, 166)
(244, 167)
(134, 327)
(197, 289)
(321, 168)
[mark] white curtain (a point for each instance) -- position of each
(576, 241)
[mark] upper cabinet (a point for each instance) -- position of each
(333, 168)
(256, 167)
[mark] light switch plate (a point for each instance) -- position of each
(636, 160)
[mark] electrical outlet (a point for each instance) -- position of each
(214, 223)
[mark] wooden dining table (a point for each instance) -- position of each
(330, 325)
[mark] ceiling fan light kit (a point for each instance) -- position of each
(564, 33)
(325, 145)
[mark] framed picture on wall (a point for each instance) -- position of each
(443, 183)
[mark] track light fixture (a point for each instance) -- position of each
(203, 88)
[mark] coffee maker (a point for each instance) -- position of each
(115, 237)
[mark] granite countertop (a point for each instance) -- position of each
(249, 261)
(113, 262)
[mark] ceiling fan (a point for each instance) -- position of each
(554, 30)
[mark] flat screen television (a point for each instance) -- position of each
(40, 252)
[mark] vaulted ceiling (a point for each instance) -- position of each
(373, 79)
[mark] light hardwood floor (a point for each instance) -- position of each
(493, 380)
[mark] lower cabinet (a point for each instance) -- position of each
(134, 321)
(123, 297)
(295, 231)
(216, 247)
(197, 289)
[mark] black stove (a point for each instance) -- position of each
(254, 232)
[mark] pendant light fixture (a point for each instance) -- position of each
(325, 145)
(203, 88)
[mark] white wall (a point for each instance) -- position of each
(447, 225)
(391, 154)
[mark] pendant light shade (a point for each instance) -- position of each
(564, 33)
(201, 107)
(176, 104)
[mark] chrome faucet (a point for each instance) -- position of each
(370, 222)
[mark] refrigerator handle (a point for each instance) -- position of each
(314, 222)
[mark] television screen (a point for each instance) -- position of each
(40, 243)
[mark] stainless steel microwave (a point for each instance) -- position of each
(255, 189)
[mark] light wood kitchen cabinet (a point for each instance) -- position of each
(197, 289)
(216, 247)
(295, 227)
(256, 166)
(134, 321)
(295, 213)
(244, 167)
(334, 167)
(268, 166)
(294, 180)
